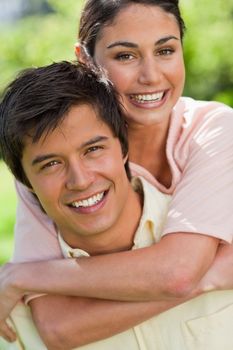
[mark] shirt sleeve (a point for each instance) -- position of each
(202, 201)
(35, 234)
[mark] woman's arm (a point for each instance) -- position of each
(220, 274)
(69, 322)
(35, 237)
(90, 316)
(132, 277)
(122, 276)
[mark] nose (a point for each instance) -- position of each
(150, 72)
(79, 177)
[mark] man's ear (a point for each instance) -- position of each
(125, 158)
(31, 190)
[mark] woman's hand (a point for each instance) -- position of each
(7, 332)
(220, 274)
(9, 296)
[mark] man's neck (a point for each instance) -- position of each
(120, 236)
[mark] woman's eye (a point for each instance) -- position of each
(165, 52)
(93, 149)
(124, 57)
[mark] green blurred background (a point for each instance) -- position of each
(41, 32)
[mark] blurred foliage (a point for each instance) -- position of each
(208, 49)
(39, 40)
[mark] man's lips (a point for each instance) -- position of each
(89, 202)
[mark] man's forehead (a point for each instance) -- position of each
(76, 118)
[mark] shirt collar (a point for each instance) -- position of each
(69, 252)
(154, 213)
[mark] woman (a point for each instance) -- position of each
(182, 146)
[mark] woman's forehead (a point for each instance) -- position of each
(139, 18)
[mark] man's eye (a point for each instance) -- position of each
(124, 57)
(50, 164)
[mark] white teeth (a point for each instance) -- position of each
(148, 97)
(89, 201)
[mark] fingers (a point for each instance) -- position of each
(7, 332)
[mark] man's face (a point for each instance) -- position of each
(77, 172)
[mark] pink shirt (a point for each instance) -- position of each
(200, 154)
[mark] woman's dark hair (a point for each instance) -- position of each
(98, 13)
(38, 100)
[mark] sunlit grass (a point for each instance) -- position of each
(7, 212)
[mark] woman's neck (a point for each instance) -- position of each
(147, 148)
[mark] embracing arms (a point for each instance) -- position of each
(131, 276)
(91, 314)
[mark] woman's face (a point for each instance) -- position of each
(142, 54)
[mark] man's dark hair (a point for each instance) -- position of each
(38, 100)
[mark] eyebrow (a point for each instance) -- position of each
(165, 39)
(133, 45)
(44, 157)
(94, 140)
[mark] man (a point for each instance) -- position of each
(62, 136)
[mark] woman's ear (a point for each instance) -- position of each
(80, 53)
